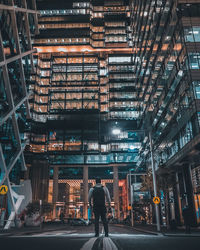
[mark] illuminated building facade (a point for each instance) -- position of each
(85, 105)
(18, 22)
(166, 39)
(71, 195)
(106, 71)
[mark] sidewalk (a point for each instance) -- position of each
(47, 227)
(180, 231)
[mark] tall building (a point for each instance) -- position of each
(166, 41)
(18, 22)
(110, 75)
(85, 105)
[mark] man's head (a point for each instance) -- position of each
(98, 180)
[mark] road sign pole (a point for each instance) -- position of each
(131, 198)
(154, 183)
(41, 219)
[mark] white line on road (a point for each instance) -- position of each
(108, 244)
(82, 235)
(45, 234)
(89, 244)
(131, 235)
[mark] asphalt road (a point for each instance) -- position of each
(82, 238)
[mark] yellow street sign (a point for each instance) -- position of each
(129, 207)
(156, 200)
(3, 189)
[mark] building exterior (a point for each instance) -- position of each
(108, 74)
(85, 105)
(71, 195)
(18, 22)
(166, 40)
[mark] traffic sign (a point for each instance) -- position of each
(3, 189)
(129, 208)
(156, 200)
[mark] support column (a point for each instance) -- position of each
(55, 190)
(177, 199)
(35, 180)
(85, 192)
(116, 191)
(189, 193)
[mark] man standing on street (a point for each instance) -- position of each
(98, 194)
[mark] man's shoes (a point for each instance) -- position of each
(96, 235)
(106, 235)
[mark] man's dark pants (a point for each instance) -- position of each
(100, 211)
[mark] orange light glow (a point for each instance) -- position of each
(165, 46)
(178, 46)
(81, 49)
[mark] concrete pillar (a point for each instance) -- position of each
(177, 199)
(85, 192)
(35, 179)
(55, 190)
(189, 193)
(116, 191)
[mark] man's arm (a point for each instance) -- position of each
(90, 196)
(107, 194)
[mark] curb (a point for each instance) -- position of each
(181, 235)
(146, 231)
(5, 234)
(139, 230)
(160, 233)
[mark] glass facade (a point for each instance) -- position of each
(15, 75)
(107, 73)
(85, 83)
(166, 44)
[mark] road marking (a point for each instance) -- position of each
(72, 234)
(131, 235)
(45, 234)
(108, 244)
(89, 244)
(54, 233)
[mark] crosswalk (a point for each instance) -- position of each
(88, 241)
(106, 243)
(74, 234)
(47, 234)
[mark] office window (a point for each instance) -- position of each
(192, 34)
(194, 60)
(196, 86)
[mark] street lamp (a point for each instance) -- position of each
(154, 182)
(153, 174)
(132, 147)
(116, 131)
